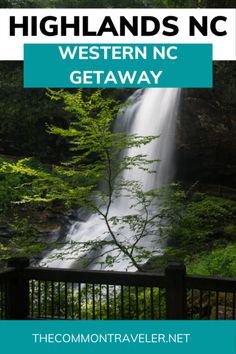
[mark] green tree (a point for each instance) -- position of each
(97, 156)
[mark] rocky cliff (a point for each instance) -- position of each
(206, 130)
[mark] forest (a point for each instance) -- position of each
(62, 159)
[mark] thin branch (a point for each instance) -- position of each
(101, 255)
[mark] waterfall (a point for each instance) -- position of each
(152, 112)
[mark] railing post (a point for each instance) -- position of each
(18, 290)
(175, 291)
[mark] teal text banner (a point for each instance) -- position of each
(106, 337)
(117, 65)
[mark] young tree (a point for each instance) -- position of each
(93, 177)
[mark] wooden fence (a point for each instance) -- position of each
(46, 293)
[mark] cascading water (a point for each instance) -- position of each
(152, 112)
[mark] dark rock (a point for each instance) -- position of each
(206, 131)
(4, 232)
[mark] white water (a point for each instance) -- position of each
(151, 113)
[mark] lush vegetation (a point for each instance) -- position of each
(96, 156)
(37, 134)
(114, 3)
(200, 230)
(195, 227)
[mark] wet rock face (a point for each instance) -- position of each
(4, 233)
(206, 132)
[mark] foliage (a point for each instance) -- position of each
(27, 189)
(22, 125)
(9, 190)
(199, 230)
(27, 3)
(219, 261)
(44, 186)
(98, 3)
(196, 219)
(92, 301)
(24, 240)
(96, 157)
(114, 3)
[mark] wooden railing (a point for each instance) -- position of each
(46, 293)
